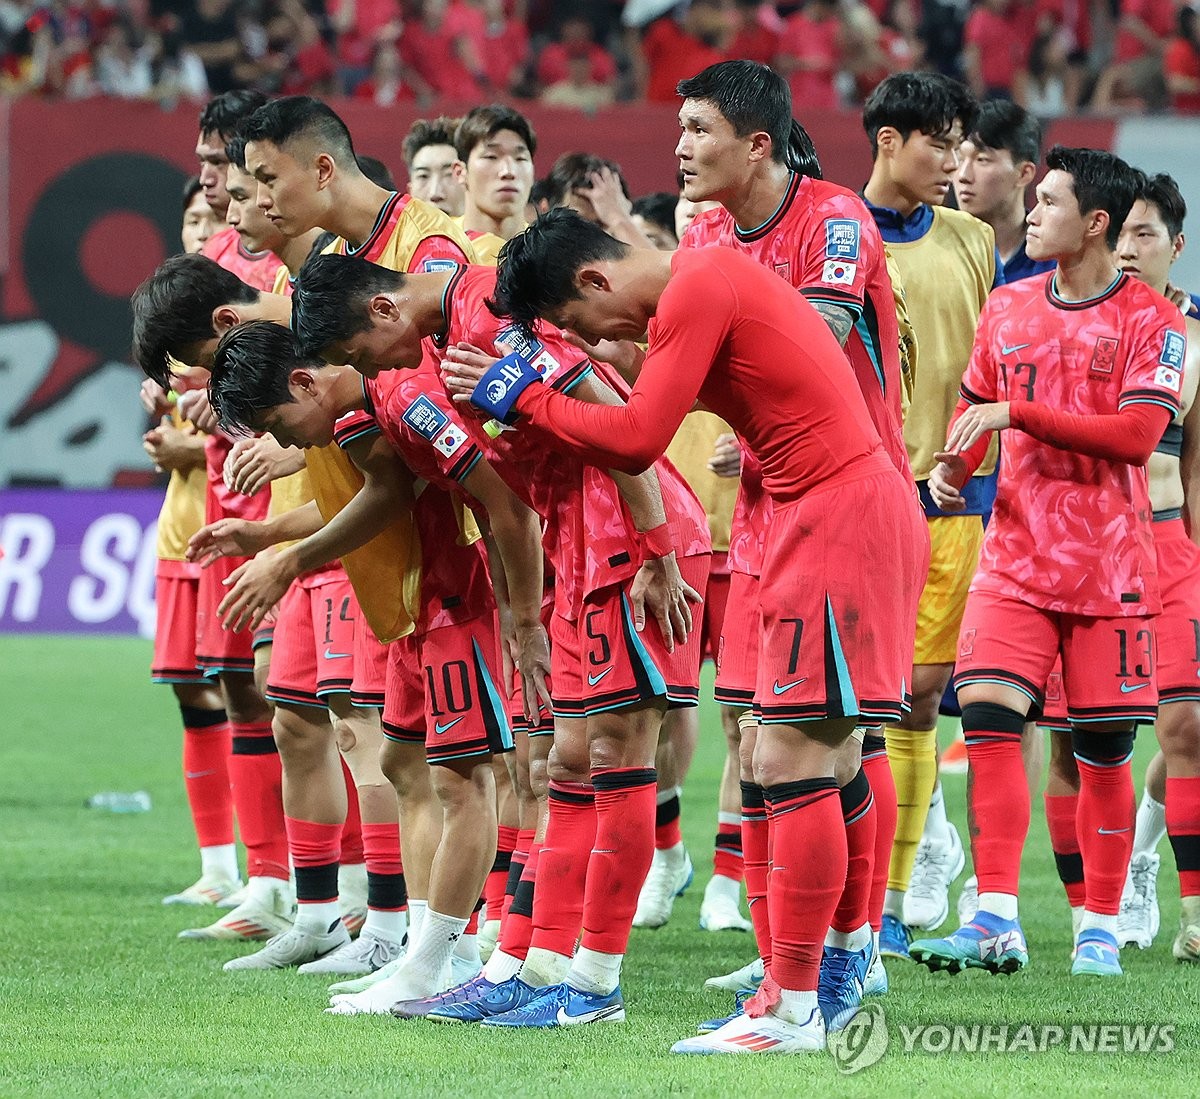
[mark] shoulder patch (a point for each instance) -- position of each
(842, 238)
(429, 421)
(516, 340)
(1174, 346)
(1168, 378)
(432, 266)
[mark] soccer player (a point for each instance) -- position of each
(199, 220)
(736, 147)
(1150, 242)
(1083, 368)
(827, 660)
(645, 543)
(434, 167)
(947, 264)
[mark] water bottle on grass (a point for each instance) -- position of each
(113, 801)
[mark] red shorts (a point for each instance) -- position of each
(602, 663)
(1177, 628)
(544, 726)
(370, 666)
(175, 591)
(715, 600)
(737, 651)
(843, 570)
(313, 646)
(404, 705)
(217, 649)
(1107, 663)
(464, 713)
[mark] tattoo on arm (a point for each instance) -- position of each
(839, 320)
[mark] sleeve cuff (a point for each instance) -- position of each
(498, 390)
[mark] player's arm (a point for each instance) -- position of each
(831, 264)
(517, 532)
(387, 492)
(246, 537)
(253, 463)
(173, 448)
(1189, 458)
(839, 320)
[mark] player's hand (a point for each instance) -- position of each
(172, 447)
(227, 538)
(254, 590)
(154, 398)
(726, 460)
(603, 190)
(464, 369)
(253, 463)
(659, 587)
(975, 423)
(946, 480)
(533, 661)
(623, 355)
(194, 406)
(1180, 298)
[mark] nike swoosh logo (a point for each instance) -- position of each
(783, 688)
(587, 1017)
(335, 656)
(198, 774)
(594, 679)
(1129, 688)
(439, 728)
(1111, 831)
(1015, 347)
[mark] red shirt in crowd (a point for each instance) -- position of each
(816, 43)
(1183, 59)
(673, 55)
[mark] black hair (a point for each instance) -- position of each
(918, 102)
(294, 116)
(572, 170)
(481, 123)
(235, 151)
(223, 114)
(377, 172)
(541, 191)
(428, 131)
(250, 372)
(173, 308)
(329, 300)
(1001, 124)
(1101, 181)
(191, 188)
(537, 268)
(658, 208)
(1163, 192)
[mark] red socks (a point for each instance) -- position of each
(1105, 818)
(352, 837)
(1064, 842)
(315, 849)
(497, 879)
(517, 929)
(516, 867)
(206, 741)
(757, 864)
(1183, 828)
(858, 812)
(621, 857)
(997, 795)
(883, 790)
(727, 851)
(562, 867)
(386, 890)
(808, 875)
(256, 780)
(666, 823)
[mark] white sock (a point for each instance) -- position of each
(729, 818)
(849, 940)
(1151, 825)
(795, 1007)
(1003, 905)
(267, 890)
(721, 886)
(893, 903)
(1093, 921)
(434, 944)
(467, 948)
(416, 919)
(220, 861)
(677, 853)
(592, 971)
(317, 918)
(386, 923)
(544, 967)
(501, 967)
(936, 829)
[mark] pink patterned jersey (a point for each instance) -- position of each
(824, 242)
(589, 534)
(257, 269)
(407, 406)
(221, 501)
(1070, 532)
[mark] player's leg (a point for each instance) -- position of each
(1179, 735)
(719, 910)
(671, 869)
(508, 813)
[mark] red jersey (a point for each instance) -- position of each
(220, 501)
(1069, 532)
(757, 355)
(257, 269)
(588, 532)
(822, 240)
(454, 579)
(1001, 45)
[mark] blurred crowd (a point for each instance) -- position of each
(1051, 56)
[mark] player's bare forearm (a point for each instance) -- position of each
(517, 531)
(839, 320)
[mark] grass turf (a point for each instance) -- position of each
(98, 997)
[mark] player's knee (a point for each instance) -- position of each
(991, 717)
(1063, 767)
(732, 730)
(1178, 732)
(1103, 748)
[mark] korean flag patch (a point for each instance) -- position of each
(1168, 378)
(433, 266)
(427, 420)
(837, 273)
(842, 236)
(1174, 346)
(516, 340)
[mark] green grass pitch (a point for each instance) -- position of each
(98, 998)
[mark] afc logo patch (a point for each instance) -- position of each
(515, 340)
(1104, 357)
(1174, 346)
(842, 237)
(966, 643)
(430, 422)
